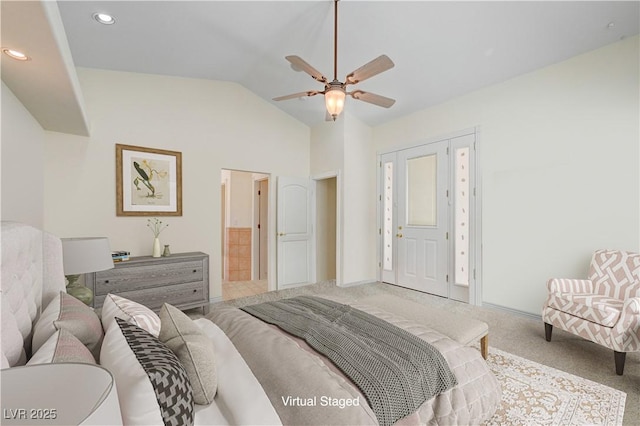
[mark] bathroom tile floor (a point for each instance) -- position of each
(236, 289)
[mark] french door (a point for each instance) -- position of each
(427, 217)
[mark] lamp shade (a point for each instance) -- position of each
(334, 100)
(73, 394)
(84, 255)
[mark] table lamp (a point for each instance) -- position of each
(81, 256)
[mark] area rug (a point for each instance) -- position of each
(534, 394)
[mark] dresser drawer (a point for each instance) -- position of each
(181, 279)
(141, 277)
(180, 295)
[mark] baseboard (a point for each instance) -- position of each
(512, 311)
(290, 286)
(355, 283)
(215, 299)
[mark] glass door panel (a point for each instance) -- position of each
(387, 220)
(461, 216)
(422, 202)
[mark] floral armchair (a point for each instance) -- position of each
(604, 309)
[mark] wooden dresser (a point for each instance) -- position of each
(181, 280)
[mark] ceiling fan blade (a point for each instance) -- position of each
(302, 65)
(372, 98)
(368, 70)
(297, 95)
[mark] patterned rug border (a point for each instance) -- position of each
(553, 397)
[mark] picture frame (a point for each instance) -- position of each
(148, 181)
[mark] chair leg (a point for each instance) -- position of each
(548, 328)
(619, 359)
(484, 346)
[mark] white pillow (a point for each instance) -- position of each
(126, 351)
(65, 311)
(130, 311)
(62, 347)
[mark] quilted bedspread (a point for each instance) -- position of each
(306, 388)
(394, 369)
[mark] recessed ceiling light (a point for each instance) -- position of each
(104, 18)
(15, 54)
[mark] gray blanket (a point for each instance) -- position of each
(395, 370)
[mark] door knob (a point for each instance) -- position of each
(399, 235)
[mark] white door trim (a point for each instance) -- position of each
(475, 291)
(452, 135)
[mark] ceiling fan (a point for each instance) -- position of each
(335, 91)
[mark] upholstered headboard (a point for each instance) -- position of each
(32, 276)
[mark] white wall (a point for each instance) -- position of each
(22, 154)
(241, 200)
(327, 158)
(559, 156)
(214, 124)
(345, 147)
(359, 192)
(327, 147)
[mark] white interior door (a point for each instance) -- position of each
(294, 231)
(423, 218)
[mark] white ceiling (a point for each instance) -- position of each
(441, 49)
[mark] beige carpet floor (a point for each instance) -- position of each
(516, 334)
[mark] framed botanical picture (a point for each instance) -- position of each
(148, 181)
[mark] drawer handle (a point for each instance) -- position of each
(195, 291)
(106, 281)
(195, 270)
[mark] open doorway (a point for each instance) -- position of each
(244, 226)
(326, 225)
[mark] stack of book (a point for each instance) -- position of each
(120, 256)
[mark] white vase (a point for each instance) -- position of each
(156, 247)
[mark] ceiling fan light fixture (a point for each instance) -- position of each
(334, 100)
(335, 91)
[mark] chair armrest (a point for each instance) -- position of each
(569, 285)
(631, 307)
(626, 333)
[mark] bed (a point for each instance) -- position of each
(262, 374)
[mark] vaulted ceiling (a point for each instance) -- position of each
(441, 49)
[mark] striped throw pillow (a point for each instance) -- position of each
(62, 347)
(132, 312)
(67, 312)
